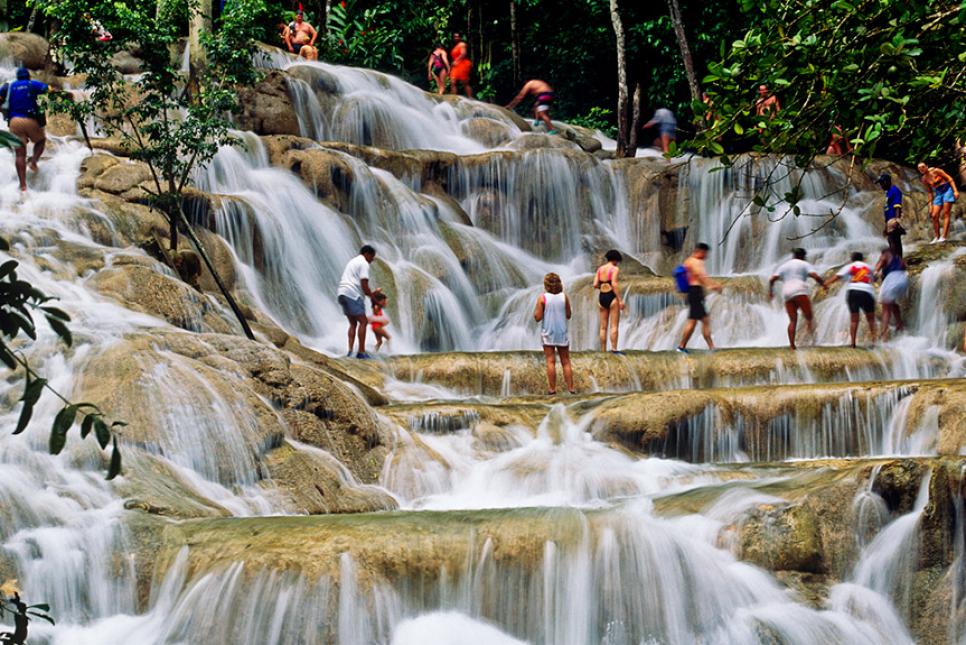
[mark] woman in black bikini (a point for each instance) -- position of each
(609, 299)
(438, 68)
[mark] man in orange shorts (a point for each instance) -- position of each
(461, 66)
(25, 120)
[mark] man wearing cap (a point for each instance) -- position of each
(25, 120)
(893, 230)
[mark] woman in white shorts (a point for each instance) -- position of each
(891, 269)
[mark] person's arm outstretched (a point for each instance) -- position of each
(771, 285)
(519, 97)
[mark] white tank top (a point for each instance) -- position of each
(554, 325)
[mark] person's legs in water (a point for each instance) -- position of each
(21, 163)
(551, 369)
(805, 304)
(853, 328)
(791, 308)
(870, 318)
(42, 143)
(615, 321)
(352, 333)
(706, 331)
(897, 314)
(362, 323)
(568, 371)
(934, 214)
(381, 335)
(688, 330)
(947, 210)
(604, 323)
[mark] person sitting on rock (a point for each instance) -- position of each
(543, 95)
(25, 120)
(301, 38)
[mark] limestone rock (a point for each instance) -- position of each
(783, 538)
(123, 179)
(30, 50)
(489, 132)
(267, 107)
(126, 63)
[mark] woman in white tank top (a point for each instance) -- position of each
(553, 312)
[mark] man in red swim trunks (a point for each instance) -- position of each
(461, 66)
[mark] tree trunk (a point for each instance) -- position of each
(635, 121)
(515, 43)
(200, 23)
(623, 127)
(675, 10)
(325, 19)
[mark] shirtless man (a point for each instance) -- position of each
(460, 66)
(942, 193)
(767, 104)
(698, 281)
(301, 38)
(543, 94)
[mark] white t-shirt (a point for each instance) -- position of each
(859, 275)
(794, 277)
(350, 285)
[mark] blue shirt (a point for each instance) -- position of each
(893, 199)
(23, 98)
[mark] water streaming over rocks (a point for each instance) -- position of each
(275, 494)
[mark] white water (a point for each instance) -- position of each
(612, 571)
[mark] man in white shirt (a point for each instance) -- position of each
(794, 275)
(859, 294)
(353, 289)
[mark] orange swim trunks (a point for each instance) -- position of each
(461, 71)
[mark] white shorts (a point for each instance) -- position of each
(894, 287)
(543, 107)
(793, 289)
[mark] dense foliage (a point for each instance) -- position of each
(891, 75)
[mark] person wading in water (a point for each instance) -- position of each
(353, 289)
(698, 281)
(543, 94)
(859, 294)
(25, 120)
(794, 275)
(552, 312)
(610, 303)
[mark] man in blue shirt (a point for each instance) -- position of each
(893, 230)
(25, 120)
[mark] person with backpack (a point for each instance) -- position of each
(611, 304)
(25, 120)
(794, 275)
(693, 274)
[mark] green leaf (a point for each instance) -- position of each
(41, 616)
(8, 140)
(115, 468)
(62, 423)
(4, 244)
(87, 424)
(7, 268)
(40, 607)
(101, 432)
(61, 330)
(31, 395)
(56, 313)
(738, 129)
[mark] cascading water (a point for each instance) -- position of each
(516, 523)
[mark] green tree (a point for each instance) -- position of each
(891, 75)
(171, 120)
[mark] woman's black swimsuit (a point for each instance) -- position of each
(605, 299)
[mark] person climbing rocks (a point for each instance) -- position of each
(859, 294)
(942, 193)
(667, 127)
(891, 269)
(838, 144)
(438, 68)
(893, 230)
(698, 281)
(25, 120)
(352, 291)
(794, 275)
(553, 313)
(301, 38)
(610, 303)
(543, 99)
(379, 320)
(460, 66)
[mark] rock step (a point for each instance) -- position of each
(522, 373)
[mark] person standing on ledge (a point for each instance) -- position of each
(891, 268)
(893, 230)
(543, 94)
(437, 68)
(553, 311)
(859, 295)
(609, 300)
(667, 127)
(698, 281)
(794, 275)
(25, 120)
(942, 194)
(353, 289)
(460, 67)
